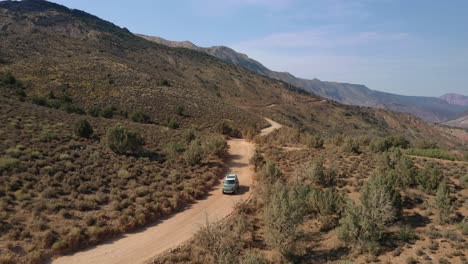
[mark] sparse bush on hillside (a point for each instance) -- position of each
(316, 173)
(174, 149)
(123, 141)
(108, 112)
(464, 181)
(350, 145)
(83, 129)
(8, 163)
(140, 117)
(257, 159)
(313, 141)
(443, 203)
(228, 129)
(180, 110)
(425, 144)
(172, 123)
(429, 177)
(94, 111)
(270, 172)
(73, 109)
(165, 82)
(385, 144)
(250, 133)
(194, 153)
(189, 135)
(215, 145)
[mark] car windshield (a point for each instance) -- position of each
(230, 182)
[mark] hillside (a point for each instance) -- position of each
(455, 99)
(61, 190)
(428, 108)
(459, 122)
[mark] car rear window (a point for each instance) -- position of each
(230, 181)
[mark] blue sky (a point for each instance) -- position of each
(407, 47)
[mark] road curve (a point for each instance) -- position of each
(141, 246)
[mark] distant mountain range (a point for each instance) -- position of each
(432, 109)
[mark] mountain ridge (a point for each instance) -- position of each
(431, 109)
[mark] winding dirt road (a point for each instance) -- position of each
(142, 246)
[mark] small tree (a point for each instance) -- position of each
(429, 177)
(283, 214)
(318, 174)
(122, 141)
(443, 202)
(83, 129)
(363, 225)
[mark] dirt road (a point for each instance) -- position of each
(141, 246)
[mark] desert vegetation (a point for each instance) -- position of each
(315, 205)
(68, 182)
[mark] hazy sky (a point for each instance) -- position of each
(416, 47)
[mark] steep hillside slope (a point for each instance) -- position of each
(97, 64)
(455, 99)
(459, 122)
(429, 108)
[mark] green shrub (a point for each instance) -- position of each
(180, 110)
(385, 144)
(140, 117)
(316, 173)
(194, 154)
(270, 173)
(228, 129)
(313, 141)
(174, 149)
(122, 141)
(407, 234)
(431, 153)
(83, 129)
(257, 159)
(39, 101)
(95, 111)
(165, 82)
(108, 112)
(73, 109)
(189, 135)
(283, 213)
(172, 123)
(350, 145)
(326, 202)
(363, 225)
(215, 145)
(395, 165)
(464, 181)
(9, 163)
(429, 177)
(443, 202)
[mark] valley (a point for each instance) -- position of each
(113, 148)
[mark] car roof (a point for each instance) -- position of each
(230, 176)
